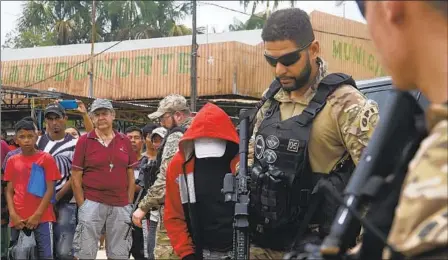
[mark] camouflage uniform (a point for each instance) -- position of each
(420, 223)
(345, 124)
(155, 197)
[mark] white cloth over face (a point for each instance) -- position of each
(206, 147)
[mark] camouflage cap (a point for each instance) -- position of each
(170, 104)
(101, 103)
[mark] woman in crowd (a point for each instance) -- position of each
(73, 131)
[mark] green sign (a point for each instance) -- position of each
(357, 54)
(122, 67)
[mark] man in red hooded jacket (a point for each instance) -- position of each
(197, 220)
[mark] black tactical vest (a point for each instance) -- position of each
(282, 180)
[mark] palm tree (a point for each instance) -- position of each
(255, 4)
(63, 22)
(145, 19)
(62, 18)
(256, 21)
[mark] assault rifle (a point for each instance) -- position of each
(377, 178)
(134, 206)
(235, 190)
(145, 180)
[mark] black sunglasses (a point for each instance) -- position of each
(362, 7)
(288, 59)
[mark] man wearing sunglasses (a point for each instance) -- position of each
(314, 127)
(412, 40)
(173, 114)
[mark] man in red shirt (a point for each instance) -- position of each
(28, 211)
(103, 184)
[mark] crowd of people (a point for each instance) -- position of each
(81, 206)
(156, 192)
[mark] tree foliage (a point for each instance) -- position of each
(257, 3)
(43, 23)
(62, 22)
(256, 21)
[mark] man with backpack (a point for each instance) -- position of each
(309, 126)
(173, 114)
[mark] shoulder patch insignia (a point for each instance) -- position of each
(272, 142)
(270, 156)
(366, 114)
(293, 145)
(259, 147)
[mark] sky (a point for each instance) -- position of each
(207, 15)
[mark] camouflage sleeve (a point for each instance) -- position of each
(420, 223)
(356, 118)
(156, 193)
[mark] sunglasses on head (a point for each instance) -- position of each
(362, 7)
(288, 59)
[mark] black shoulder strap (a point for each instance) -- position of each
(162, 145)
(337, 79)
(178, 129)
(272, 91)
(327, 85)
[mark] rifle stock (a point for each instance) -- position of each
(383, 162)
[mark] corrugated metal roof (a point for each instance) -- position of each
(252, 37)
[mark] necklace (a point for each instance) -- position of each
(111, 165)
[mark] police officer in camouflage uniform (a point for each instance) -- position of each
(412, 39)
(174, 114)
(314, 127)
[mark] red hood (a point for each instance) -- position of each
(212, 122)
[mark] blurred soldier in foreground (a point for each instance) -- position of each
(412, 38)
(173, 114)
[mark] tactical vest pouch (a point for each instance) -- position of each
(281, 204)
(281, 179)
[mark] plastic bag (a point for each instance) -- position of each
(24, 248)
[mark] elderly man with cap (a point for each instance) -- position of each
(103, 184)
(173, 114)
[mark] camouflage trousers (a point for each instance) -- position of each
(265, 253)
(163, 249)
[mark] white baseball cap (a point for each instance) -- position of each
(206, 147)
(161, 131)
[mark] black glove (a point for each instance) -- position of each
(189, 257)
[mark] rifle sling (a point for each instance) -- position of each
(314, 203)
